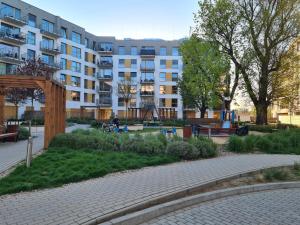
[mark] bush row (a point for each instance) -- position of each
(281, 142)
(194, 148)
(271, 127)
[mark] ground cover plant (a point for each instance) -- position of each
(85, 154)
(281, 142)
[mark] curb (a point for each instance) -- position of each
(159, 210)
(168, 197)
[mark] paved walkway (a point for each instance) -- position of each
(271, 207)
(83, 202)
(12, 153)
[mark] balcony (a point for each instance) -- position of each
(105, 48)
(147, 53)
(104, 76)
(9, 17)
(147, 68)
(105, 64)
(52, 65)
(11, 57)
(146, 93)
(12, 36)
(45, 47)
(105, 102)
(49, 32)
(147, 81)
(104, 90)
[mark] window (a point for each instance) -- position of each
(147, 65)
(175, 51)
(133, 76)
(121, 102)
(147, 77)
(162, 102)
(134, 51)
(75, 96)
(86, 83)
(63, 64)
(31, 38)
(107, 73)
(121, 63)
(76, 52)
(162, 77)
(48, 59)
(47, 43)
(63, 32)
(174, 90)
(94, 45)
(31, 20)
(76, 67)
(106, 47)
(163, 64)
(63, 78)
(162, 89)
(47, 26)
(86, 42)
(174, 102)
(76, 37)
(75, 81)
(8, 50)
(121, 76)
(30, 54)
(63, 47)
(163, 51)
(174, 76)
(7, 10)
(174, 64)
(122, 50)
(86, 97)
(133, 63)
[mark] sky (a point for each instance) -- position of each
(165, 19)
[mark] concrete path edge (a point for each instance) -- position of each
(162, 209)
(171, 196)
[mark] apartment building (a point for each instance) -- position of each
(92, 67)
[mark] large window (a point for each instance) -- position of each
(76, 52)
(7, 10)
(75, 81)
(162, 77)
(174, 64)
(106, 60)
(147, 65)
(6, 68)
(31, 38)
(163, 51)
(106, 73)
(133, 77)
(147, 89)
(47, 43)
(48, 59)
(47, 26)
(9, 51)
(106, 47)
(63, 64)
(174, 102)
(122, 50)
(63, 48)
(175, 51)
(31, 20)
(147, 77)
(133, 64)
(174, 76)
(30, 54)
(163, 64)
(86, 42)
(121, 76)
(76, 67)
(121, 63)
(134, 50)
(63, 32)
(76, 37)
(63, 78)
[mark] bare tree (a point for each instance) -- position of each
(16, 96)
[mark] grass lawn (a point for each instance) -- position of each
(58, 166)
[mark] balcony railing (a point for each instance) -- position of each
(147, 81)
(45, 47)
(147, 52)
(147, 93)
(105, 101)
(53, 65)
(105, 89)
(104, 76)
(49, 32)
(12, 36)
(105, 64)
(11, 57)
(147, 68)
(10, 17)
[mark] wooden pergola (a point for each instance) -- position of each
(55, 105)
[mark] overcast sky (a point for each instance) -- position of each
(166, 19)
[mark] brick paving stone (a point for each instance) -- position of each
(87, 200)
(277, 207)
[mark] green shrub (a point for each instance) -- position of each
(235, 144)
(183, 150)
(277, 174)
(206, 147)
(23, 133)
(249, 143)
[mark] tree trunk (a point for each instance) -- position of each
(202, 112)
(227, 105)
(17, 112)
(126, 111)
(261, 113)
